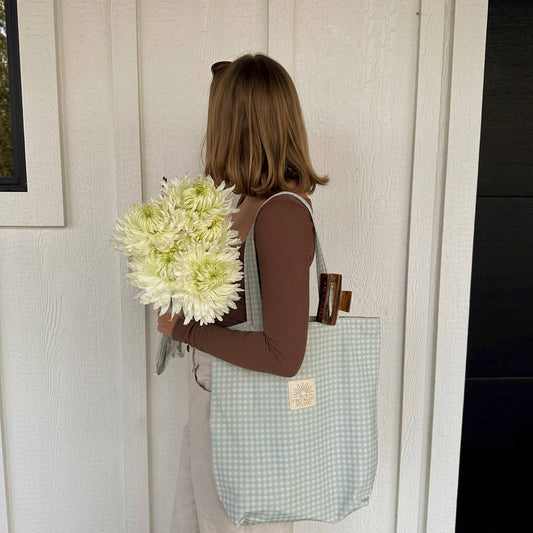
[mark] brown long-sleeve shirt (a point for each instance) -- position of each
(285, 244)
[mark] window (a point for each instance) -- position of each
(30, 41)
(12, 153)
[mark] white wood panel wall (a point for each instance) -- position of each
(91, 436)
(60, 313)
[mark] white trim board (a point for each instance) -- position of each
(42, 203)
(445, 165)
(419, 315)
(132, 362)
(464, 131)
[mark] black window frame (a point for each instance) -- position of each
(18, 182)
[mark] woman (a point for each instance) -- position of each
(256, 140)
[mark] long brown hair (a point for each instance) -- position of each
(256, 137)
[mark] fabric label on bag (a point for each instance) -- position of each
(302, 393)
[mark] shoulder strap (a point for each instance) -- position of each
(251, 273)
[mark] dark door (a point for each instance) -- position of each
(495, 472)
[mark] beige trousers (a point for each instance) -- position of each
(197, 507)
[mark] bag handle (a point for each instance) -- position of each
(254, 310)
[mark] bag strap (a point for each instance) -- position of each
(251, 272)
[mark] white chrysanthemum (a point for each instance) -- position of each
(183, 249)
(155, 274)
(210, 230)
(199, 195)
(145, 226)
(207, 282)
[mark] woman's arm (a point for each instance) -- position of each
(285, 244)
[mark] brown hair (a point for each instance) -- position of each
(256, 138)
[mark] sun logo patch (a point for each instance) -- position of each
(302, 393)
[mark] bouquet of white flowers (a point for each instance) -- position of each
(182, 251)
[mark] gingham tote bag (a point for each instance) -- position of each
(304, 447)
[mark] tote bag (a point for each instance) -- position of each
(286, 449)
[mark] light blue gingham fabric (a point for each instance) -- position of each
(276, 464)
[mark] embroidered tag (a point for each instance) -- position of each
(302, 393)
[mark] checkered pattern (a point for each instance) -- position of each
(276, 464)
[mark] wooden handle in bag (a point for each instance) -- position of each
(332, 298)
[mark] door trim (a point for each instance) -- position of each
(443, 202)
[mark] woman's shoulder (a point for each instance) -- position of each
(286, 202)
(284, 212)
(284, 226)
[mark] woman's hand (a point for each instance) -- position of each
(166, 324)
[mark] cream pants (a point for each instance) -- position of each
(197, 507)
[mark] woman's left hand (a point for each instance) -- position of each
(166, 324)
